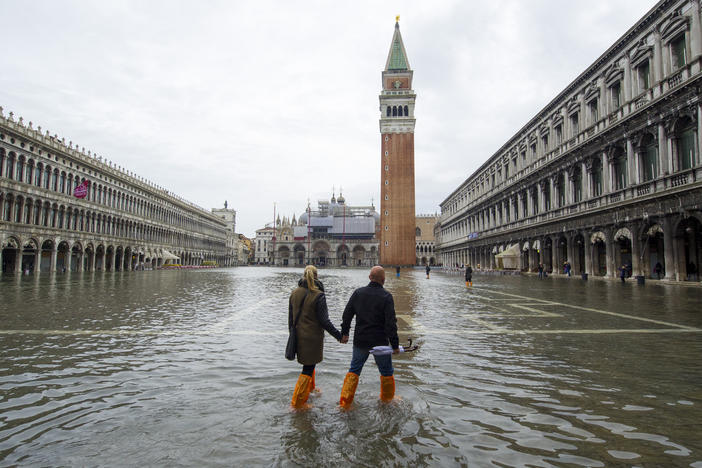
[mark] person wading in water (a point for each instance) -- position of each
(309, 303)
(376, 325)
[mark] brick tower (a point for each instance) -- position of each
(397, 223)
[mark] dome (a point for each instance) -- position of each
(303, 218)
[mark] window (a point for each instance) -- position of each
(506, 171)
(547, 196)
(559, 134)
(644, 76)
(387, 113)
(575, 123)
(678, 52)
(594, 114)
(615, 92)
(544, 143)
(620, 168)
(649, 158)
(597, 179)
(406, 111)
(685, 144)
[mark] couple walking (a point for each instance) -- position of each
(376, 325)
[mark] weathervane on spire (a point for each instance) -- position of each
(397, 19)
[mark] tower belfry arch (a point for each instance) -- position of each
(397, 205)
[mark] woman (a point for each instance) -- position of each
(308, 303)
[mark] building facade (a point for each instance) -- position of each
(607, 175)
(122, 222)
(228, 215)
(424, 239)
(335, 234)
(397, 244)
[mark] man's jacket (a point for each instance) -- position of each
(376, 324)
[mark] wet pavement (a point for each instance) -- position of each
(186, 368)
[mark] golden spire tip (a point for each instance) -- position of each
(397, 19)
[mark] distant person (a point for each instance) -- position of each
(376, 325)
(469, 276)
(428, 270)
(308, 306)
(397, 271)
(541, 271)
(658, 269)
(622, 273)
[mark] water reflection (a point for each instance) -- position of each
(186, 368)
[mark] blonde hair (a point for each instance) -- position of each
(309, 276)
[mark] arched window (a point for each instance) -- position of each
(620, 168)
(11, 166)
(20, 169)
(62, 183)
(2, 160)
(649, 158)
(47, 177)
(394, 111)
(418, 232)
(388, 111)
(37, 175)
(406, 111)
(54, 180)
(30, 171)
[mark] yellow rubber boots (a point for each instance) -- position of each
(387, 388)
(348, 390)
(302, 392)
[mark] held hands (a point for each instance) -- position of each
(344, 339)
(396, 351)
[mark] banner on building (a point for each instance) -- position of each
(81, 190)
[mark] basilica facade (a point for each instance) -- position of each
(606, 177)
(65, 209)
(335, 235)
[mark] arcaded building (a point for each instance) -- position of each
(607, 175)
(397, 239)
(425, 244)
(65, 209)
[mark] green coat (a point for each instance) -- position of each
(310, 330)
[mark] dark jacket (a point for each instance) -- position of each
(311, 324)
(376, 324)
(469, 273)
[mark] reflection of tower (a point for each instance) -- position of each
(397, 225)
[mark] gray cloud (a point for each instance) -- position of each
(262, 102)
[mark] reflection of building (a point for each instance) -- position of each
(424, 238)
(123, 222)
(607, 174)
(397, 246)
(335, 234)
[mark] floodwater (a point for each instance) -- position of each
(186, 368)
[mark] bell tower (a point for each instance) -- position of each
(397, 216)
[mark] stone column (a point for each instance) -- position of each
(588, 253)
(37, 260)
(91, 261)
(632, 176)
(695, 32)
(657, 67)
(606, 175)
(81, 257)
(663, 150)
(68, 258)
(626, 85)
(18, 258)
(635, 251)
(554, 254)
(584, 181)
(669, 249)
(609, 249)
(54, 255)
(0, 259)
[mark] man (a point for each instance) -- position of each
(376, 325)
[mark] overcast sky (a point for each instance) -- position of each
(257, 102)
